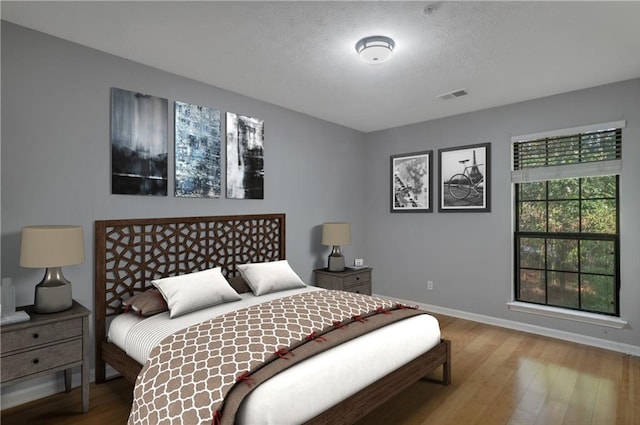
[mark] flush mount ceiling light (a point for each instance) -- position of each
(375, 49)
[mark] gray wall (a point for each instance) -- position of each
(468, 256)
(56, 156)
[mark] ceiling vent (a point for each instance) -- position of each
(453, 94)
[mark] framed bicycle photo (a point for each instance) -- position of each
(464, 178)
(411, 179)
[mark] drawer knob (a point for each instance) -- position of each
(358, 278)
(36, 361)
(36, 335)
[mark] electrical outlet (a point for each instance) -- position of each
(429, 285)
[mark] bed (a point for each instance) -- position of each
(132, 252)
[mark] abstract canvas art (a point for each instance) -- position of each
(138, 143)
(197, 164)
(245, 157)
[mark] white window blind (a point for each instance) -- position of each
(588, 151)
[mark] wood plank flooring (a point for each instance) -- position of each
(500, 377)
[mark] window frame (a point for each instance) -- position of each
(579, 170)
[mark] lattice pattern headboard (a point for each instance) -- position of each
(130, 253)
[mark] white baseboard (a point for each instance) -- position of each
(524, 327)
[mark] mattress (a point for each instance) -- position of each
(347, 368)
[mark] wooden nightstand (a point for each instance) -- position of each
(351, 280)
(47, 343)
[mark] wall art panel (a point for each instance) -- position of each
(245, 157)
(197, 149)
(138, 143)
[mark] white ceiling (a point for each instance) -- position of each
(300, 54)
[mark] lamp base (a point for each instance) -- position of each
(52, 297)
(336, 260)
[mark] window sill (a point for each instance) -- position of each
(576, 316)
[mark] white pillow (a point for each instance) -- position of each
(273, 276)
(193, 291)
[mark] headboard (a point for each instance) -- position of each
(130, 253)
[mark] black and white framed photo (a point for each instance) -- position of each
(139, 149)
(411, 182)
(245, 157)
(464, 178)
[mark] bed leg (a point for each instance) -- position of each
(100, 366)
(446, 367)
(100, 372)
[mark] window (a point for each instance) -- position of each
(566, 236)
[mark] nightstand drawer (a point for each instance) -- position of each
(39, 335)
(349, 280)
(365, 288)
(357, 279)
(34, 361)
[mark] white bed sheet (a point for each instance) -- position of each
(346, 369)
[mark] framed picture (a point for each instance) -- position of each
(465, 178)
(197, 145)
(245, 157)
(138, 143)
(411, 181)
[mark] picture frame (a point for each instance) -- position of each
(411, 180)
(464, 178)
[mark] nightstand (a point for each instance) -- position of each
(351, 280)
(45, 344)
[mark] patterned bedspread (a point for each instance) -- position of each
(201, 374)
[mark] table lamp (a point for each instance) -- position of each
(336, 234)
(52, 247)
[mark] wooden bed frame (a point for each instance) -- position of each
(130, 253)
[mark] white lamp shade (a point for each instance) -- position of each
(51, 246)
(336, 234)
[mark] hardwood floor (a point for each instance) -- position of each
(499, 377)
